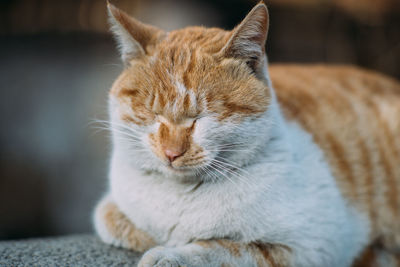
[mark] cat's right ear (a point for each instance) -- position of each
(135, 39)
(248, 39)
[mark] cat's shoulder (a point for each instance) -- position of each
(317, 78)
(316, 90)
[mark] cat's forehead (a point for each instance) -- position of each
(187, 50)
(182, 64)
(208, 40)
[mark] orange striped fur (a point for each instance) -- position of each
(123, 230)
(354, 115)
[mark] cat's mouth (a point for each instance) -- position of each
(190, 168)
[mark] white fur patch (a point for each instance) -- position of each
(180, 88)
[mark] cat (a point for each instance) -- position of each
(220, 160)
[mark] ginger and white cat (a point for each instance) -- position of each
(219, 160)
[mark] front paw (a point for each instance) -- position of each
(115, 228)
(161, 257)
(101, 221)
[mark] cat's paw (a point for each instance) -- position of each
(100, 221)
(161, 257)
(115, 228)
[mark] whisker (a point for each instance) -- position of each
(227, 150)
(228, 164)
(110, 123)
(223, 174)
(227, 145)
(210, 174)
(237, 175)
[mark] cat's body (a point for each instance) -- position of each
(354, 117)
(298, 174)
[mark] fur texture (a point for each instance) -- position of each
(218, 163)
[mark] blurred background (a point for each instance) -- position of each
(58, 60)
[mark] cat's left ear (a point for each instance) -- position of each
(248, 38)
(135, 38)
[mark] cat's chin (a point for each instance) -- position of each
(180, 174)
(180, 171)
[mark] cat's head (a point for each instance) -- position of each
(191, 102)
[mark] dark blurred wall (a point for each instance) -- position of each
(53, 165)
(57, 62)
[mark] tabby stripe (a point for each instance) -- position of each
(346, 105)
(384, 150)
(393, 195)
(122, 229)
(340, 157)
(191, 64)
(274, 255)
(338, 104)
(152, 101)
(186, 102)
(131, 119)
(391, 182)
(366, 259)
(233, 248)
(369, 180)
(363, 162)
(374, 173)
(267, 257)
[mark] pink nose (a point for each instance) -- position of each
(172, 155)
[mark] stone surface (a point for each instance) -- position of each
(75, 250)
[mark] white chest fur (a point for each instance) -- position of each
(290, 197)
(177, 213)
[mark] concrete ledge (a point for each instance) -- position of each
(76, 250)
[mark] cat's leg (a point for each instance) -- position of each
(376, 256)
(222, 253)
(115, 228)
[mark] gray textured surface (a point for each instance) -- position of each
(77, 250)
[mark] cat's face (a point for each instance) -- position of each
(188, 104)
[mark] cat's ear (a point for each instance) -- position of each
(135, 38)
(248, 38)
